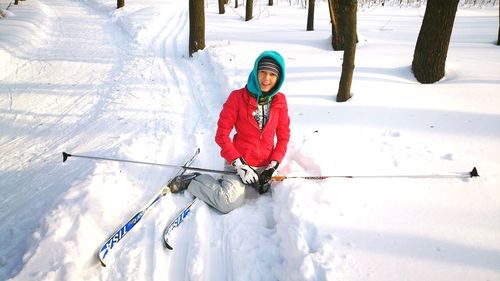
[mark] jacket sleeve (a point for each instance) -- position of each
(225, 125)
(282, 134)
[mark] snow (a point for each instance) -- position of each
(85, 78)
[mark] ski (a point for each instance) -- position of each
(127, 227)
(176, 221)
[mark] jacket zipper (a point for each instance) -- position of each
(258, 127)
(263, 125)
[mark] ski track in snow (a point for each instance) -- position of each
(80, 102)
(125, 78)
(126, 85)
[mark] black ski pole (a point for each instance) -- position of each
(67, 155)
(470, 174)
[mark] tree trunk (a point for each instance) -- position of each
(221, 7)
(498, 39)
(332, 16)
(196, 26)
(236, 4)
(249, 10)
(120, 3)
(310, 16)
(270, 3)
(429, 58)
(348, 9)
(337, 28)
(16, 2)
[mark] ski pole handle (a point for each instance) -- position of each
(279, 178)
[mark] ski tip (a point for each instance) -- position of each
(65, 156)
(102, 263)
(474, 173)
(168, 246)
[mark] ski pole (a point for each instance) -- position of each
(67, 155)
(470, 174)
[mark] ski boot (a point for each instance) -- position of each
(180, 183)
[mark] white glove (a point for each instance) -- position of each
(246, 173)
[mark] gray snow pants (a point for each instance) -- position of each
(224, 194)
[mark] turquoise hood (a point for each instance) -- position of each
(253, 79)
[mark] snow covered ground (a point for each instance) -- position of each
(83, 77)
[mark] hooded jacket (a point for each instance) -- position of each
(257, 147)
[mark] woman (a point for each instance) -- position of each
(259, 115)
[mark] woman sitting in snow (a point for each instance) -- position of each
(259, 114)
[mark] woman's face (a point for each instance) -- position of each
(267, 80)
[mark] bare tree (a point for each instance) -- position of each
(270, 3)
(337, 28)
(347, 10)
(249, 10)
(120, 3)
(429, 58)
(310, 16)
(222, 10)
(196, 26)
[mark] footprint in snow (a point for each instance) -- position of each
(447, 156)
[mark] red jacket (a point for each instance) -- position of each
(256, 147)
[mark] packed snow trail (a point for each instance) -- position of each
(142, 99)
(57, 94)
(138, 98)
(97, 90)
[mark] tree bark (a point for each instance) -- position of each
(222, 10)
(16, 2)
(270, 3)
(196, 26)
(120, 3)
(429, 58)
(236, 4)
(310, 16)
(337, 28)
(348, 9)
(249, 10)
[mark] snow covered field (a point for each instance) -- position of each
(83, 77)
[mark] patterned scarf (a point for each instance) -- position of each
(261, 114)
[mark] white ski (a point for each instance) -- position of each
(176, 221)
(127, 227)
